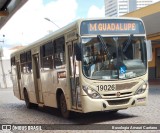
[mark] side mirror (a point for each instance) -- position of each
(149, 50)
(78, 52)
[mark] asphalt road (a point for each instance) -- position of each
(14, 111)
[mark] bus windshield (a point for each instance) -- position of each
(117, 58)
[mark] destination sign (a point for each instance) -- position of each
(112, 26)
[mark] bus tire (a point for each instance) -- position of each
(63, 106)
(26, 99)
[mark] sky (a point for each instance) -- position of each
(28, 23)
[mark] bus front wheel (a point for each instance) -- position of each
(63, 106)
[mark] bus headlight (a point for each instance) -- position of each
(141, 89)
(91, 93)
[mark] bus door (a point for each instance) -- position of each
(74, 76)
(37, 80)
(18, 72)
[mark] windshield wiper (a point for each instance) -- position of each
(127, 42)
(100, 39)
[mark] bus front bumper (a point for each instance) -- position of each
(94, 105)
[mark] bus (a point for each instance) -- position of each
(90, 65)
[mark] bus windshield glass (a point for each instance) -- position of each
(117, 58)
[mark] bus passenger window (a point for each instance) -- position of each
(23, 59)
(59, 53)
(26, 62)
(29, 62)
(47, 56)
(13, 62)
